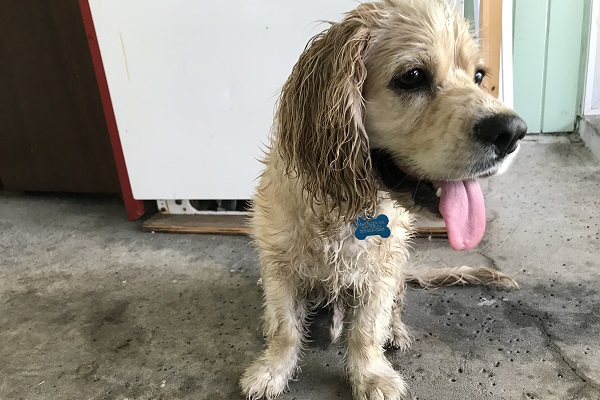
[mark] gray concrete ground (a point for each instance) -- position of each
(92, 308)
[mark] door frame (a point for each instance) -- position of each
(505, 73)
(591, 62)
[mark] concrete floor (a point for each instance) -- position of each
(92, 308)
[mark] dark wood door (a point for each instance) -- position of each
(53, 134)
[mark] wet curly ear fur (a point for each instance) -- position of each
(322, 137)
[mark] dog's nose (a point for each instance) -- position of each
(501, 131)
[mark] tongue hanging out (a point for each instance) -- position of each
(461, 202)
(463, 209)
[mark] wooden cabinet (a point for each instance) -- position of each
(53, 134)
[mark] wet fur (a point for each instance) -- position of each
(334, 108)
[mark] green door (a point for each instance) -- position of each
(550, 47)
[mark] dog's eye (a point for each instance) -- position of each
(413, 79)
(479, 75)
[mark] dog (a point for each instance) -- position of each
(382, 112)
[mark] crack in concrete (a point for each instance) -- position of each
(491, 261)
(542, 326)
(550, 342)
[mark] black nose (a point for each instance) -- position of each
(501, 131)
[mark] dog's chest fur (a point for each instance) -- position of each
(322, 255)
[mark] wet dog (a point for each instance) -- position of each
(382, 111)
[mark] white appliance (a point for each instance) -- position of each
(194, 84)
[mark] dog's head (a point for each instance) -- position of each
(392, 96)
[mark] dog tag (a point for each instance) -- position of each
(372, 227)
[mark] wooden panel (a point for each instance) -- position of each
(235, 224)
(563, 65)
(490, 32)
(217, 223)
(53, 135)
(530, 33)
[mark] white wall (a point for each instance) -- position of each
(596, 78)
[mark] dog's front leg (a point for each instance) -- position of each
(285, 316)
(371, 375)
(399, 337)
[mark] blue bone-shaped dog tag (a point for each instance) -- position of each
(371, 227)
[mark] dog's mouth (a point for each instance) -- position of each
(459, 202)
(422, 192)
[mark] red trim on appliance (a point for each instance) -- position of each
(135, 208)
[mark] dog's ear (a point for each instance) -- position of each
(321, 133)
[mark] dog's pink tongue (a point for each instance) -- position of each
(463, 209)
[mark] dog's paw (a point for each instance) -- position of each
(400, 342)
(387, 385)
(400, 337)
(262, 380)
